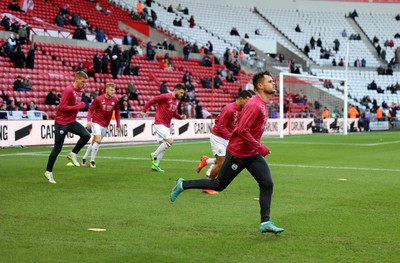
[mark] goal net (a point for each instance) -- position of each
(312, 104)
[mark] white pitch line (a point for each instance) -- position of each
(196, 161)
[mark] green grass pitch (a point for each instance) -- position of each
(338, 198)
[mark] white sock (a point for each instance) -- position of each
(208, 173)
(95, 149)
(88, 151)
(160, 156)
(163, 146)
(210, 161)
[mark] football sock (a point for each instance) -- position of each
(163, 146)
(209, 170)
(160, 156)
(95, 149)
(88, 151)
(210, 161)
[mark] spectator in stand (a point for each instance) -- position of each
(19, 85)
(334, 62)
(30, 59)
(168, 62)
(354, 14)
(398, 17)
(79, 33)
(13, 6)
(5, 23)
(191, 22)
(363, 63)
(21, 106)
(341, 62)
(23, 34)
(27, 82)
(52, 98)
(86, 99)
(217, 82)
(170, 9)
(139, 8)
(11, 105)
(124, 106)
(60, 20)
(206, 62)
(104, 63)
(186, 51)
(357, 63)
(132, 91)
(97, 63)
(100, 36)
(344, 33)
(150, 52)
(297, 29)
(19, 58)
(114, 66)
(12, 44)
(234, 32)
(164, 88)
(187, 77)
(230, 77)
(32, 106)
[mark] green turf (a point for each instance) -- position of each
(325, 219)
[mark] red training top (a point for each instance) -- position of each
(245, 140)
(226, 121)
(70, 105)
(101, 110)
(166, 108)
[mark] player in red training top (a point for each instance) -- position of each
(98, 119)
(245, 151)
(167, 105)
(65, 121)
(220, 135)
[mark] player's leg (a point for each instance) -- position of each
(259, 169)
(83, 133)
(219, 160)
(99, 132)
(87, 153)
(60, 131)
(165, 139)
(229, 170)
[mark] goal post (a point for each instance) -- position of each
(322, 93)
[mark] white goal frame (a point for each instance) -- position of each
(281, 93)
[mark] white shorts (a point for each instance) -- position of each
(98, 130)
(163, 133)
(218, 145)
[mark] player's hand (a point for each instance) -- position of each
(266, 151)
(143, 113)
(183, 117)
(82, 105)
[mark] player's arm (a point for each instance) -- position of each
(64, 102)
(179, 117)
(247, 119)
(155, 100)
(90, 114)
(224, 118)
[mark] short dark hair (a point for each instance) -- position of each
(179, 87)
(258, 77)
(245, 94)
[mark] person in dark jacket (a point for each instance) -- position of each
(30, 60)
